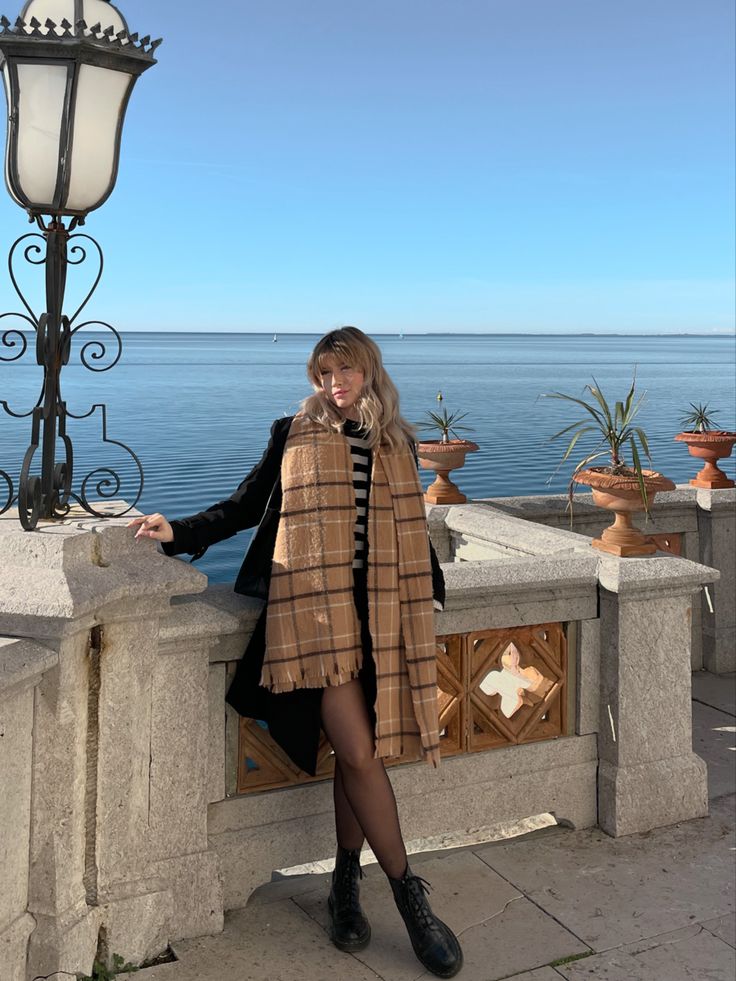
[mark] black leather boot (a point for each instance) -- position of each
(433, 941)
(349, 929)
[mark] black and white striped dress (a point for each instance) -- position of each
(362, 458)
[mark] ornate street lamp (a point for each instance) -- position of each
(69, 67)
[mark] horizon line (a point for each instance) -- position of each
(725, 332)
(720, 332)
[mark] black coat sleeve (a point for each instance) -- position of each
(243, 509)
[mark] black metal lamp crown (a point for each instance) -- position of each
(69, 67)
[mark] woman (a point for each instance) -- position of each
(345, 641)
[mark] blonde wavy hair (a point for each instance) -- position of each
(378, 403)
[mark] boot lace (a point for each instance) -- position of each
(347, 878)
(417, 890)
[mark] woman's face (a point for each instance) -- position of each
(341, 382)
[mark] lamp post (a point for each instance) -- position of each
(69, 67)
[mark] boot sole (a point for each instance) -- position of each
(448, 974)
(348, 946)
(453, 970)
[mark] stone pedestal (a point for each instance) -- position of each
(717, 528)
(648, 774)
(116, 835)
(22, 664)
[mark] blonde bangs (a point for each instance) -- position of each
(377, 406)
(345, 349)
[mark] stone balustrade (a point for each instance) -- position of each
(694, 523)
(123, 825)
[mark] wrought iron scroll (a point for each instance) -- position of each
(49, 496)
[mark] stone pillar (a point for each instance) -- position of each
(648, 774)
(717, 527)
(187, 755)
(85, 589)
(22, 664)
(439, 533)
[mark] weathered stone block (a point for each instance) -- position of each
(439, 531)
(120, 737)
(70, 570)
(16, 724)
(216, 740)
(115, 785)
(58, 818)
(196, 885)
(485, 528)
(485, 595)
(588, 677)
(179, 739)
(14, 947)
(654, 794)
(717, 524)
(67, 942)
(649, 775)
(138, 927)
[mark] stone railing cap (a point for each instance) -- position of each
(488, 577)
(555, 505)
(199, 616)
(524, 537)
(22, 662)
(66, 569)
(658, 573)
(717, 500)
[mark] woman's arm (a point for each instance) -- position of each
(243, 509)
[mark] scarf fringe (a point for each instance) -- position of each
(327, 672)
(405, 749)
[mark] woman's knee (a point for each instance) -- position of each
(358, 756)
(348, 727)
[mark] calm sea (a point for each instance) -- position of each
(197, 408)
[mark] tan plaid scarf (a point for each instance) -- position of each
(312, 629)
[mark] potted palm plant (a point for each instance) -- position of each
(617, 487)
(444, 454)
(707, 443)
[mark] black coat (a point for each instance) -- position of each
(292, 717)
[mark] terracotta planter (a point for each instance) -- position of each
(709, 446)
(442, 458)
(622, 495)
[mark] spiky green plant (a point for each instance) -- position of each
(699, 420)
(616, 430)
(101, 972)
(445, 422)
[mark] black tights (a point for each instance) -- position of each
(364, 799)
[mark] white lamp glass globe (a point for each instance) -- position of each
(68, 90)
(92, 11)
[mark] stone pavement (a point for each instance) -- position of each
(553, 904)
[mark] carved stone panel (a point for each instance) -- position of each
(494, 688)
(517, 685)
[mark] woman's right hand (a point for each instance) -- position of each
(152, 526)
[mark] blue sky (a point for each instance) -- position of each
(424, 165)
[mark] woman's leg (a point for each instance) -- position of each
(368, 790)
(364, 780)
(349, 832)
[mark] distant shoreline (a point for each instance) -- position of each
(431, 333)
(717, 334)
